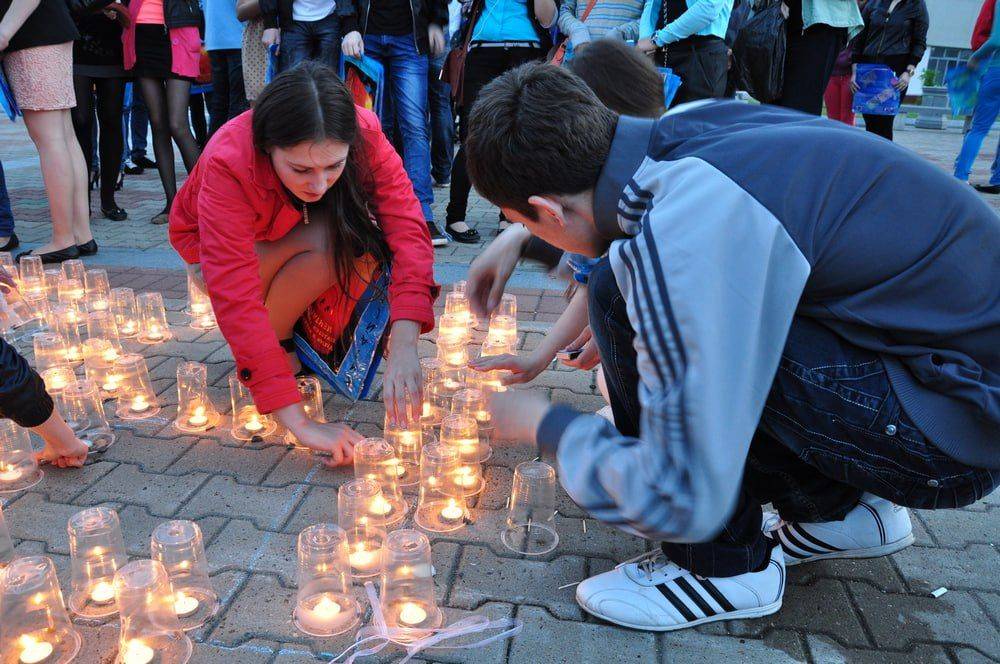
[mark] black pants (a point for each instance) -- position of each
(229, 99)
(881, 125)
(702, 65)
(482, 65)
(832, 429)
(109, 94)
(809, 59)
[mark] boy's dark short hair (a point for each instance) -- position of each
(536, 130)
(621, 77)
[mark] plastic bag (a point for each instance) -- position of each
(365, 77)
(7, 101)
(963, 89)
(671, 84)
(877, 93)
(759, 52)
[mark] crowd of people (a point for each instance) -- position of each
(765, 334)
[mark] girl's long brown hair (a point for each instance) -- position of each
(310, 103)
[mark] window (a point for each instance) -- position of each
(942, 59)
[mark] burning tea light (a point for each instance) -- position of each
(412, 614)
(441, 505)
(153, 326)
(34, 651)
(195, 411)
(185, 605)
(324, 605)
(9, 473)
(365, 535)
(362, 559)
(139, 404)
(35, 627)
(137, 652)
(136, 398)
(380, 506)
(198, 417)
(102, 593)
(406, 441)
(247, 420)
(452, 511)
(253, 424)
(18, 466)
(454, 328)
(375, 459)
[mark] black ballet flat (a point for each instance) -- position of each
(114, 213)
(88, 248)
(50, 257)
(12, 243)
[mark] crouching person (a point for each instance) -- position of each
(772, 335)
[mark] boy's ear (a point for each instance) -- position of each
(547, 209)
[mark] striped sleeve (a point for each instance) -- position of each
(711, 281)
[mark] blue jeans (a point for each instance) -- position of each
(310, 40)
(407, 72)
(832, 429)
(442, 123)
(987, 108)
(6, 216)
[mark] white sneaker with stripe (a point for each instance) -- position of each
(875, 527)
(652, 593)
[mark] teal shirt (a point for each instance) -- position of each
(504, 20)
(703, 17)
(835, 13)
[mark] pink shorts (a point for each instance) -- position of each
(41, 77)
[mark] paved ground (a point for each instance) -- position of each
(251, 501)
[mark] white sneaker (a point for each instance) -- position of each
(875, 527)
(654, 594)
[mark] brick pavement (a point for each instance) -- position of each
(252, 499)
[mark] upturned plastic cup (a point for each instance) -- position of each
(529, 529)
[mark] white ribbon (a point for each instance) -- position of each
(379, 631)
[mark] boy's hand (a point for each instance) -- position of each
(589, 356)
(489, 273)
(435, 37)
(517, 414)
(523, 369)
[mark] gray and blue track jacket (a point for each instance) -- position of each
(728, 220)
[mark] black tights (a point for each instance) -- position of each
(110, 94)
(167, 101)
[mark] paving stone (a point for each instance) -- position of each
(240, 545)
(210, 654)
(546, 640)
(482, 577)
(690, 647)
(877, 571)
(64, 569)
(825, 649)
(153, 455)
(32, 517)
(991, 601)
(921, 537)
(247, 466)
(223, 496)
(319, 506)
(957, 528)
(969, 656)
(61, 485)
(161, 494)
(301, 467)
(100, 643)
(138, 525)
(973, 568)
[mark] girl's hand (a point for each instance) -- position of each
(402, 390)
(589, 357)
(522, 369)
(854, 85)
(271, 37)
(645, 46)
(337, 440)
(64, 453)
(903, 81)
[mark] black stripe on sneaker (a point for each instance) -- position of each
(716, 595)
(815, 540)
(695, 596)
(676, 601)
(790, 535)
(878, 520)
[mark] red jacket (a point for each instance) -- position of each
(233, 198)
(984, 24)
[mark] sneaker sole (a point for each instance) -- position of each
(871, 552)
(758, 612)
(443, 242)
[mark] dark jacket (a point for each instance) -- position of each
(182, 14)
(424, 12)
(22, 393)
(100, 41)
(49, 24)
(901, 32)
(279, 12)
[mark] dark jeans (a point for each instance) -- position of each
(229, 99)
(702, 65)
(482, 65)
(138, 124)
(310, 40)
(442, 123)
(832, 429)
(809, 60)
(6, 216)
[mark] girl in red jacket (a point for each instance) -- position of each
(300, 197)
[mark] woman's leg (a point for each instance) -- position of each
(983, 117)
(83, 118)
(178, 98)
(81, 183)
(110, 101)
(155, 96)
(47, 130)
(880, 125)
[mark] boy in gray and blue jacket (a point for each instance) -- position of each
(787, 311)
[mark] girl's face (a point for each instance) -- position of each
(309, 169)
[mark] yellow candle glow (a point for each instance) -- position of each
(139, 404)
(9, 473)
(184, 604)
(33, 651)
(397, 468)
(253, 423)
(110, 355)
(137, 652)
(362, 558)
(465, 477)
(128, 327)
(111, 384)
(412, 614)
(380, 506)
(452, 511)
(154, 332)
(326, 608)
(102, 593)
(73, 354)
(198, 307)
(56, 382)
(99, 305)
(198, 417)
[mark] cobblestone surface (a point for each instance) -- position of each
(252, 499)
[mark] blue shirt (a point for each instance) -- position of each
(703, 17)
(504, 20)
(222, 29)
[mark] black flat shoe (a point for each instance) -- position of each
(144, 162)
(114, 213)
(53, 256)
(468, 236)
(88, 248)
(987, 188)
(12, 243)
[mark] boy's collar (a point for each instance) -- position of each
(628, 148)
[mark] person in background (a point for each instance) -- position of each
(895, 35)
(688, 36)
(400, 34)
(839, 95)
(223, 41)
(624, 81)
(99, 76)
(8, 238)
(255, 55)
(441, 120)
(737, 20)
(162, 47)
(306, 30)
(502, 34)
(197, 105)
(816, 32)
(36, 44)
(137, 128)
(606, 19)
(986, 44)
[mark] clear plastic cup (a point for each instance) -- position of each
(407, 600)
(365, 534)
(97, 551)
(18, 467)
(150, 631)
(180, 547)
(195, 410)
(325, 605)
(34, 625)
(529, 529)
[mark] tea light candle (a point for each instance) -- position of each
(10, 473)
(102, 593)
(207, 321)
(380, 506)
(363, 559)
(139, 404)
(452, 512)
(199, 307)
(73, 354)
(110, 355)
(398, 468)
(53, 380)
(154, 332)
(112, 383)
(411, 613)
(34, 651)
(465, 478)
(253, 423)
(184, 604)
(137, 652)
(323, 614)
(128, 328)
(198, 417)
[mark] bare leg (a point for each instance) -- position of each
(81, 199)
(47, 129)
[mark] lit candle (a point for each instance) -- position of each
(363, 559)
(137, 652)
(128, 327)
(198, 417)
(398, 469)
(380, 506)
(198, 307)
(253, 423)
(184, 604)
(452, 511)
(110, 355)
(10, 472)
(55, 382)
(207, 320)
(427, 410)
(154, 332)
(324, 614)
(465, 477)
(111, 384)
(455, 359)
(34, 651)
(412, 614)
(99, 305)
(139, 404)
(102, 593)
(73, 354)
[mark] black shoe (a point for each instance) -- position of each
(53, 256)
(437, 239)
(144, 162)
(114, 213)
(132, 169)
(88, 248)
(161, 218)
(12, 243)
(468, 236)
(987, 188)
